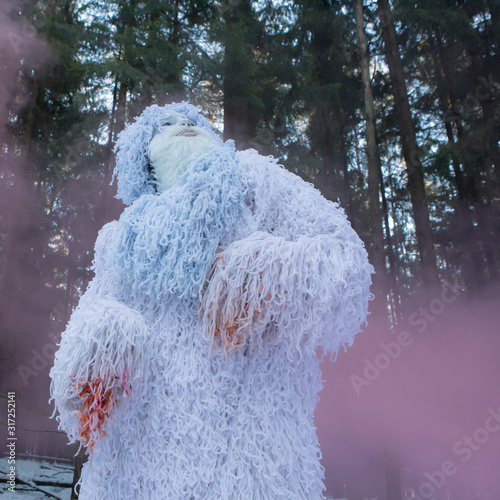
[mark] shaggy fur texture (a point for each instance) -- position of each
(208, 303)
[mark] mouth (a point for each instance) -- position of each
(187, 133)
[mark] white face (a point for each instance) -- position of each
(176, 124)
(177, 144)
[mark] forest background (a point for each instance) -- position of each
(390, 108)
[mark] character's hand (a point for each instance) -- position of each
(99, 399)
(234, 307)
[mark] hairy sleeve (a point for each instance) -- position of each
(101, 353)
(302, 276)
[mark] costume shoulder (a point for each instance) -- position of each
(301, 267)
(283, 204)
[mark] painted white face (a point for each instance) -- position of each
(175, 146)
(177, 124)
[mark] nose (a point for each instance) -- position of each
(187, 123)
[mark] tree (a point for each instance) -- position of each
(241, 36)
(374, 168)
(328, 90)
(457, 58)
(416, 186)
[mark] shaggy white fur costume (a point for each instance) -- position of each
(201, 326)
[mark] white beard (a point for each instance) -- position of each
(170, 154)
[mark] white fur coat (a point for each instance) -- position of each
(199, 414)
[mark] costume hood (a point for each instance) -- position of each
(131, 148)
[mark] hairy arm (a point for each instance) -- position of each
(303, 271)
(101, 358)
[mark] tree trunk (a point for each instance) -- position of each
(77, 472)
(346, 195)
(374, 170)
(240, 114)
(110, 207)
(468, 182)
(23, 194)
(240, 121)
(416, 185)
(466, 234)
(327, 179)
(393, 476)
(394, 299)
(112, 116)
(121, 110)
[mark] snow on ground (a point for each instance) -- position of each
(40, 471)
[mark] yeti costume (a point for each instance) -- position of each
(189, 367)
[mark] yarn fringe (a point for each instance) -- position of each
(245, 257)
(165, 244)
(313, 292)
(102, 358)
